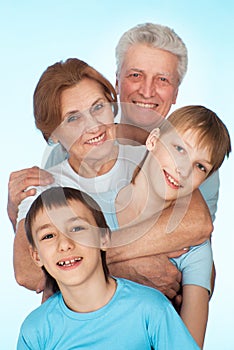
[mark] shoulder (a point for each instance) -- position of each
(53, 156)
(142, 294)
(38, 316)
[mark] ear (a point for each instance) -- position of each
(105, 239)
(175, 96)
(35, 256)
(152, 139)
(117, 85)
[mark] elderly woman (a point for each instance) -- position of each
(75, 106)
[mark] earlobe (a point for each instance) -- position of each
(35, 256)
(152, 139)
(105, 240)
(175, 96)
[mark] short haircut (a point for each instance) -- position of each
(211, 132)
(57, 78)
(57, 197)
(157, 36)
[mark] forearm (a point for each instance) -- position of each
(154, 271)
(27, 274)
(194, 311)
(152, 237)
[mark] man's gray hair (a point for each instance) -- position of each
(157, 36)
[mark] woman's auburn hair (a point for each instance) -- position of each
(57, 78)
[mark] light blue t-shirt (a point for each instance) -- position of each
(209, 188)
(136, 318)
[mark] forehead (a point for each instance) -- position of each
(81, 95)
(62, 215)
(147, 58)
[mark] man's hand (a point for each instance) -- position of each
(19, 181)
(154, 271)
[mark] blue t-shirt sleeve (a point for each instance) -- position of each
(196, 265)
(53, 156)
(210, 192)
(171, 332)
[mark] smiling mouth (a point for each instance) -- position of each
(69, 262)
(175, 184)
(146, 105)
(96, 139)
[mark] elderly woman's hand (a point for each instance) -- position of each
(19, 182)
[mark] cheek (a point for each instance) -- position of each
(125, 89)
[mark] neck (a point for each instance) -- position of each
(90, 296)
(139, 200)
(93, 167)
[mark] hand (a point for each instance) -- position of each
(45, 288)
(154, 271)
(178, 253)
(19, 181)
(47, 292)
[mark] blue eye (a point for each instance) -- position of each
(77, 229)
(97, 107)
(73, 118)
(179, 148)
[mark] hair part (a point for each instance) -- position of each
(156, 36)
(57, 197)
(57, 78)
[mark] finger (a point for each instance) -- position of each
(178, 253)
(23, 180)
(170, 293)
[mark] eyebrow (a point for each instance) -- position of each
(142, 70)
(202, 160)
(43, 227)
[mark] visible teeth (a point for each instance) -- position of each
(68, 262)
(146, 105)
(96, 139)
(172, 180)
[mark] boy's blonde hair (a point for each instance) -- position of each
(211, 132)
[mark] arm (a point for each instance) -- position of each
(153, 271)
(194, 311)
(27, 274)
(156, 240)
(19, 181)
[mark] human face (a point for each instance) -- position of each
(181, 164)
(148, 84)
(87, 129)
(67, 243)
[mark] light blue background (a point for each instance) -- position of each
(35, 34)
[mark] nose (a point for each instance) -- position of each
(184, 170)
(92, 124)
(65, 243)
(147, 88)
